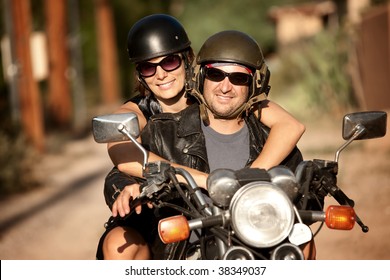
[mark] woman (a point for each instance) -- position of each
(160, 48)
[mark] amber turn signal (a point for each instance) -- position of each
(340, 217)
(173, 229)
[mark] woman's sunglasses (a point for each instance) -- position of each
(236, 78)
(169, 63)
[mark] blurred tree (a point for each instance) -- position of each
(107, 51)
(59, 101)
(27, 87)
(76, 73)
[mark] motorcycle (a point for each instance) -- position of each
(249, 213)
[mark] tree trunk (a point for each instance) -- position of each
(59, 100)
(107, 50)
(29, 95)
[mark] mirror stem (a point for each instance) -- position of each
(359, 130)
(123, 130)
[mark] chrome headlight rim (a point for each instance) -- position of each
(255, 236)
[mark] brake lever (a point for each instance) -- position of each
(343, 199)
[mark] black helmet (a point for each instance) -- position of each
(156, 35)
(233, 47)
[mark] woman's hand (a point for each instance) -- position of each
(121, 205)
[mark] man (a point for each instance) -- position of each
(222, 131)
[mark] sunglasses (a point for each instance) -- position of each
(169, 63)
(236, 78)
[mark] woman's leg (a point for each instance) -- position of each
(124, 243)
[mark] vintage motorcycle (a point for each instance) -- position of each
(246, 214)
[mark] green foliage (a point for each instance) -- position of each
(203, 18)
(314, 74)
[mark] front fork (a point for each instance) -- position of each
(222, 247)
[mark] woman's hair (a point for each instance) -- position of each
(148, 103)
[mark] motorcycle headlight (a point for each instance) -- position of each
(262, 214)
(222, 185)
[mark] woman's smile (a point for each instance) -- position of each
(166, 85)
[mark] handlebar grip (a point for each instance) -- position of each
(310, 216)
(212, 221)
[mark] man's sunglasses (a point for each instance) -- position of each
(169, 63)
(236, 78)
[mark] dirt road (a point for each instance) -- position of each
(64, 219)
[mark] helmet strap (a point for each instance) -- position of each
(189, 75)
(204, 114)
(202, 106)
(262, 83)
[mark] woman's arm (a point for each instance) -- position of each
(121, 152)
(285, 132)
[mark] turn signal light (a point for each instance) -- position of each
(340, 217)
(173, 229)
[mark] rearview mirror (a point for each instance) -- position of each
(374, 123)
(105, 128)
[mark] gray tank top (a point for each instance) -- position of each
(227, 150)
